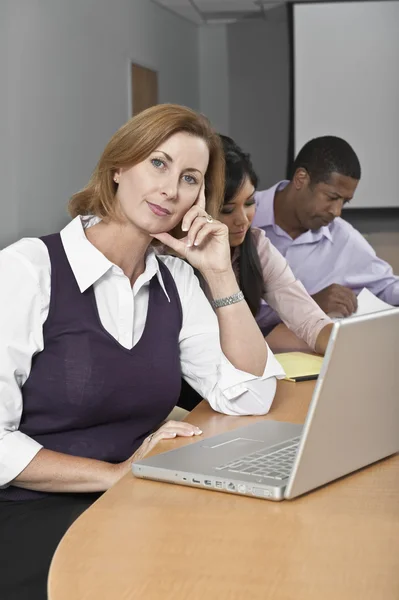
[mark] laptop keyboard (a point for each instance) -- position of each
(273, 464)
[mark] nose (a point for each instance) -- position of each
(241, 218)
(336, 208)
(169, 187)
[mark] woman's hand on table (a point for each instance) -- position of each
(168, 431)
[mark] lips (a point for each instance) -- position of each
(157, 210)
(238, 232)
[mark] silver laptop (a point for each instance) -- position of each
(353, 421)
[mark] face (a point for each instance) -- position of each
(319, 204)
(239, 213)
(155, 194)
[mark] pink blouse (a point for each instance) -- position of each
(285, 294)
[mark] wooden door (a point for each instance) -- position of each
(144, 88)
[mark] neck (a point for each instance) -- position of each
(122, 244)
(284, 211)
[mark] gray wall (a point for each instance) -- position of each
(214, 75)
(259, 84)
(66, 90)
(8, 213)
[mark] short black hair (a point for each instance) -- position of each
(238, 167)
(325, 155)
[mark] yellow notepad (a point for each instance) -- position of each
(299, 366)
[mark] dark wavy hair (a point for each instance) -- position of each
(238, 167)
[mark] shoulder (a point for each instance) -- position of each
(28, 255)
(265, 248)
(269, 193)
(259, 236)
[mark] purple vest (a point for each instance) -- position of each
(87, 395)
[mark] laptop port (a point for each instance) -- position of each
(196, 480)
(219, 485)
(208, 482)
(231, 486)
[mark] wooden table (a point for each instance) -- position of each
(150, 540)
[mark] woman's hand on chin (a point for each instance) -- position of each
(206, 244)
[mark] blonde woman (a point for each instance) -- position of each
(97, 331)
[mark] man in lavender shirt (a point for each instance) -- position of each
(301, 218)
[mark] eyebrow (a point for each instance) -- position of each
(170, 159)
(336, 196)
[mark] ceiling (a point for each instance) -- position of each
(209, 11)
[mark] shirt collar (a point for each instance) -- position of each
(89, 264)
(326, 231)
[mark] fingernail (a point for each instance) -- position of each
(189, 244)
(196, 243)
(198, 432)
(184, 228)
(173, 435)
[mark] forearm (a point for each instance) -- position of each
(241, 340)
(56, 472)
(322, 339)
(282, 339)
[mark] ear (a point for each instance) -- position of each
(301, 178)
(117, 175)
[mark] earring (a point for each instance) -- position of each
(116, 179)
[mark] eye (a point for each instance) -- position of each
(158, 163)
(190, 179)
(250, 202)
(227, 211)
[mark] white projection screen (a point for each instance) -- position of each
(346, 83)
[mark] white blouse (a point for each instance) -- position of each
(24, 303)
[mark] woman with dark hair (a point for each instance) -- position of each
(262, 272)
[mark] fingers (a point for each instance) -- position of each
(354, 301)
(341, 309)
(200, 201)
(169, 431)
(193, 235)
(349, 300)
(343, 299)
(181, 428)
(190, 216)
(178, 246)
(198, 226)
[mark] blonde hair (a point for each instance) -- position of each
(134, 142)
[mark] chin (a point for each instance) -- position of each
(234, 242)
(153, 226)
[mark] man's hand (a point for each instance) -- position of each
(336, 300)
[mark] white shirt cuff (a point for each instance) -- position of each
(17, 450)
(233, 382)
